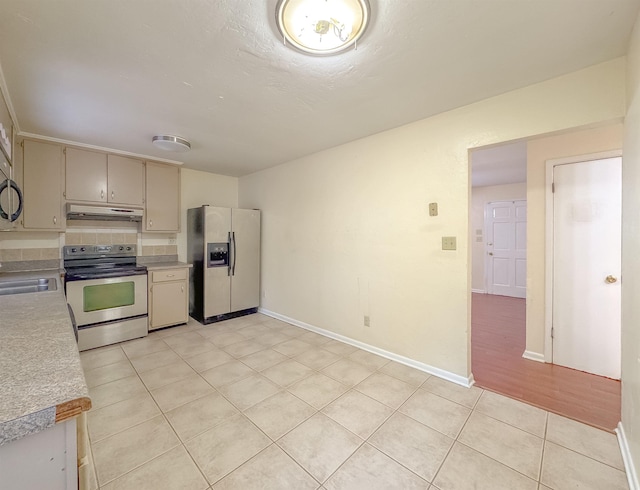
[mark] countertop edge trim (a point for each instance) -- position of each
(72, 408)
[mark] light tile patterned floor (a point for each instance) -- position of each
(257, 403)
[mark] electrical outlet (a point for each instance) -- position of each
(172, 241)
(366, 321)
(433, 209)
(449, 243)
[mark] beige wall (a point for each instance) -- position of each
(198, 188)
(480, 196)
(346, 232)
(630, 256)
(540, 150)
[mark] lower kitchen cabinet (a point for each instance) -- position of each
(87, 479)
(168, 297)
(44, 460)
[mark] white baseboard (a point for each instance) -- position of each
(533, 356)
(481, 291)
(441, 373)
(632, 475)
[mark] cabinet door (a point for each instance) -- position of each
(162, 204)
(42, 186)
(168, 304)
(7, 124)
(125, 180)
(86, 175)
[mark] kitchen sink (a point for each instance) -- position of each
(27, 286)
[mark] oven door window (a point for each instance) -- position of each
(106, 296)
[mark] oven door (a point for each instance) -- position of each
(107, 299)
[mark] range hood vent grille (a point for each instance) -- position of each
(99, 213)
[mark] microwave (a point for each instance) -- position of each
(10, 197)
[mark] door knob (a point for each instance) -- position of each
(610, 279)
(490, 253)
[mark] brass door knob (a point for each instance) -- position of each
(610, 279)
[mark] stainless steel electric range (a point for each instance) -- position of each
(107, 292)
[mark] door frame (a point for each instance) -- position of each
(549, 222)
(487, 262)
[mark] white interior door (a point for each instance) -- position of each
(586, 266)
(507, 248)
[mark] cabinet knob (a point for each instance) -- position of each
(112, 194)
(170, 275)
(55, 220)
(182, 287)
(150, 223)
(101, 193)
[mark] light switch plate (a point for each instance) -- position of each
(433, 209)
(449, 243)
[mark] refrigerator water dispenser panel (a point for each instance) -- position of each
(217, 254)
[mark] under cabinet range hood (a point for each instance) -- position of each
(101, 213)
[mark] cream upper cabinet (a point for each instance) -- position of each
(163, 197)
(7, 124)
(98, 177)
(86, 175)
(125, 180)
(42, 186)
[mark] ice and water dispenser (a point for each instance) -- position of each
(217, 254)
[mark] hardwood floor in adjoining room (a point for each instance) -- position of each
(497, 344)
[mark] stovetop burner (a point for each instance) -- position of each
(98, 261)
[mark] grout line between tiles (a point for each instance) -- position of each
(313, 371)
(499, 462)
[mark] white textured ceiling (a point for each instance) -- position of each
(113, 73)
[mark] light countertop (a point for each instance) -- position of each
(41, 378)
(154, 266)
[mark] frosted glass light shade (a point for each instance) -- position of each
(171, 143)
(322, 26)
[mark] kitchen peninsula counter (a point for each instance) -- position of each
(41, 377)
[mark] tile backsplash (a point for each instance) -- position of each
(28, 246)
(20, 254)
(148, 250)
(101, 238)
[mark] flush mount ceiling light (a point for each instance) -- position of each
(322, 27)
(171, 143)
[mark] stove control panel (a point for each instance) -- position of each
(98, 250)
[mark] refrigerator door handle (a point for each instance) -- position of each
(233, 271)
(228, 252)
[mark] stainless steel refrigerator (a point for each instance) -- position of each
(223, 244)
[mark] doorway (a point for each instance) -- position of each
(500, 330)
